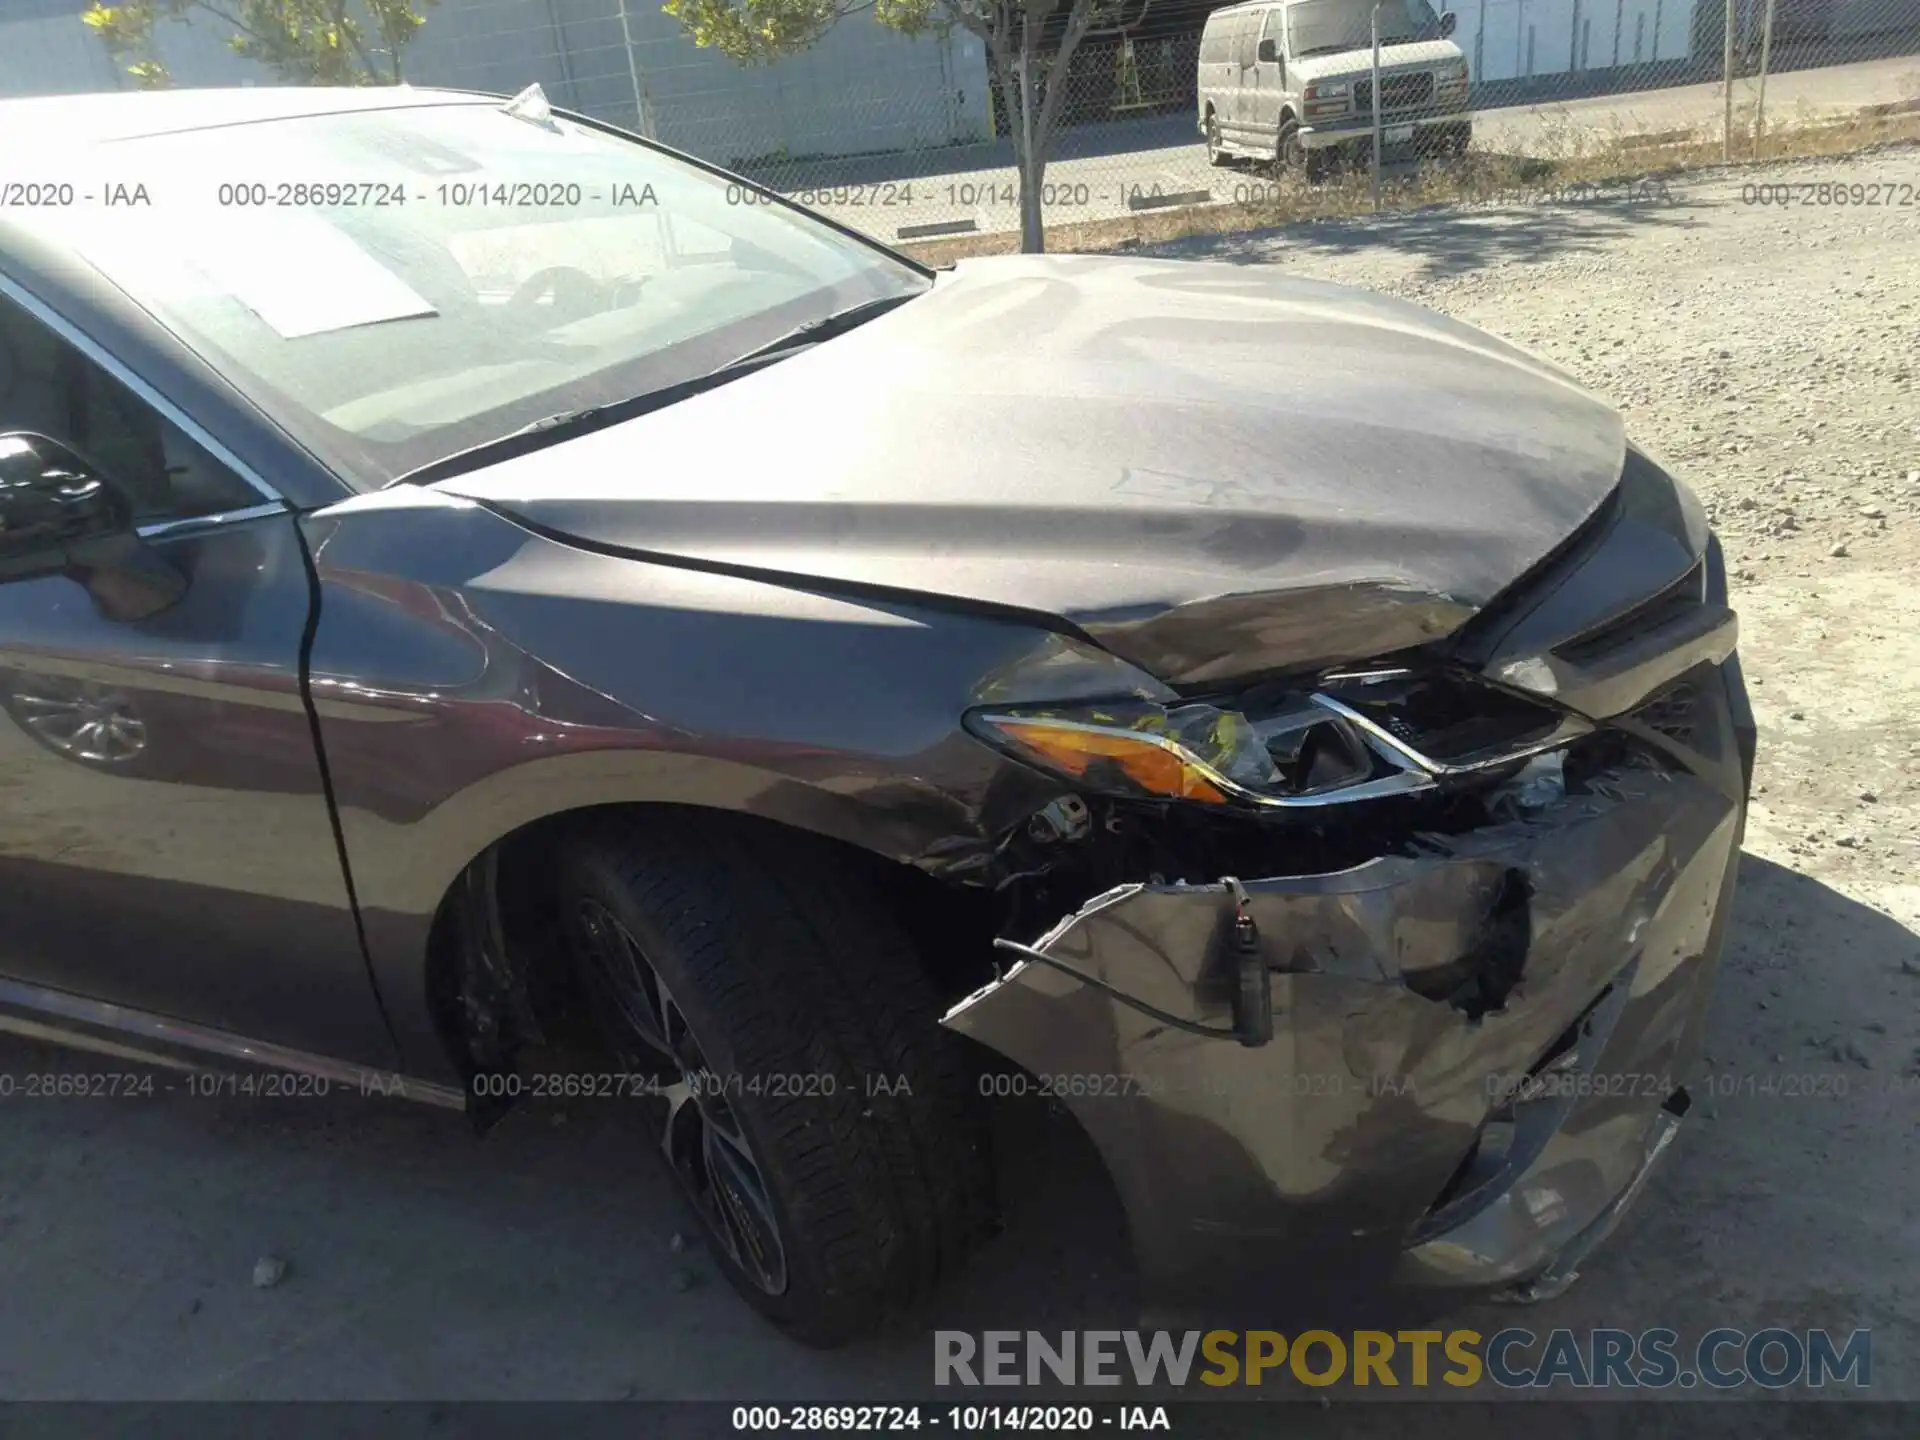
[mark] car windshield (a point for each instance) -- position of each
(398, 285)
(1318, 27)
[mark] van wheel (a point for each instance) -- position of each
(1293, 155)
(823, 1126)
(1215, 155)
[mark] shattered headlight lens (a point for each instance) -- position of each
(1297, 752)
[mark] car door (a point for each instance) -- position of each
(1269, 82)
(1239, 117)
(166, 842)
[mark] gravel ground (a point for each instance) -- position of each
(1768, 354)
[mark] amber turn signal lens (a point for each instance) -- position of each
(1154, 768)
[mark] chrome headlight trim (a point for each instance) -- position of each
(1413, 772)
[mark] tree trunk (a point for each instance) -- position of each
(1013, 79)
(1033, 226)
(1033, 220)
(1032, 127)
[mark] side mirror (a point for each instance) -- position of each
(1448, 22)
(51, 504)
(60, 516)
(1267, 51)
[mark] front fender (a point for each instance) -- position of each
(471, 677)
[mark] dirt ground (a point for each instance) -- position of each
(1769, 354)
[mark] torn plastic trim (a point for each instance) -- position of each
(1533, 1122)
(1555, 1280)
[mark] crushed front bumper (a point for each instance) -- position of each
(1394, 1132)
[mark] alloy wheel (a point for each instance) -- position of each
(699, 1131)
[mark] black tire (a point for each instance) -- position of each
(1290, 154)
(1216, 156)
(785, 966)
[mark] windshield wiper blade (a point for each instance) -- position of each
(826, 327)
(538, 434)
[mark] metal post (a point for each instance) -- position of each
(1026, 140)
(643, 111)
(564, 55)
(1726, 86)
(1376, 109)
(1766, 58)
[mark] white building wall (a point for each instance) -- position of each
(861, 89)
(1521, 39)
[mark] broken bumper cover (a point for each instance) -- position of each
(1394, 1132)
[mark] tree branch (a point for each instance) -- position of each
(1078, 20)
(234, 20)
(346, 26)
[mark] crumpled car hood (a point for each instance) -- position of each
(1212, 469)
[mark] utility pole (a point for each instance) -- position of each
(643, 108)
(1376, 109)
(1726, 86)
(1766, 58)
(563, 54)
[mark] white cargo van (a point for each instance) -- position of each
(1292, 80)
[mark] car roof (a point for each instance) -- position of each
(1247, 7)
(82, 120)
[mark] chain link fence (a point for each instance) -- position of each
(908, 139)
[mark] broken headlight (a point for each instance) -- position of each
(1295, 753)
(1354, 737)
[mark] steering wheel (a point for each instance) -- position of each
(575, 294)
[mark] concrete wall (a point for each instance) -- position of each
(862, 89)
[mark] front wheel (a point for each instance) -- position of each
(800, 1088)
(1294, 156)
(1216, 156)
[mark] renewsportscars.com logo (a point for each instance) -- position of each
(1657, 1359)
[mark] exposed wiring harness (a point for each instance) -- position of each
(1253, 996)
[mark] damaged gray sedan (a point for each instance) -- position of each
(1303, 730)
